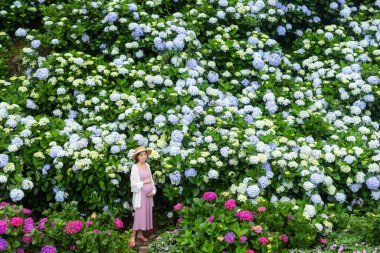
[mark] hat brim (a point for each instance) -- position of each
(148, 152)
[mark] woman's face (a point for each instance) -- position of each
(142, 156)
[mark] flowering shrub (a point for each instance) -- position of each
(258, 97)
(19, 231)
(223, 225)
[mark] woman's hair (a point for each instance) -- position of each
(137, 157)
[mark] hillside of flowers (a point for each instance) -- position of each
(265, 100)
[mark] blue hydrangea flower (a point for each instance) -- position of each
(175, 177)
(177, 136)
(20, 32)
(253, 191)
(372, 183)
(258, 63)
(213, 77)
(42, 73)
(190, 172)
(111, 17)
(36, 43)
(274, 59)
(60, 196)
(192, 64)
(16, 195)
(253, 40)
(281, 30)
(115, 149)
(3, 160)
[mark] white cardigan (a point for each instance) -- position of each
(136, 186)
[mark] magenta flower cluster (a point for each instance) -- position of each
(230, 204)
(48, 249)
(209, 196)
(118, 223)
(245, 215)
(73, 227)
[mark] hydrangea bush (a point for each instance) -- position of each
(59, 231)
(258, 97)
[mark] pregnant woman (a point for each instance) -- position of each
(143, 188)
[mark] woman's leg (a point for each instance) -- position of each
(141, 236)
(133, 242)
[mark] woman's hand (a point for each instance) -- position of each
(150, 194)
(147, 181)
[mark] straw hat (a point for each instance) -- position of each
(141, 149)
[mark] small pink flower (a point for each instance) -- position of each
(178, 207)
(88, 223)
(243, 239)
(96, 231)
(230, 204)
(284, 238)
(3, 204)
(261, 209)
(41, 223)
(179, 220)
(19, 250)
(26, 211)
(250, 251)
(16, 221)
(27, 239)
(108, 233)
(258, 229)
(211, 219)
(322, 240)
(3, 227)
(263, 240)
(118, 223)
(72, 247)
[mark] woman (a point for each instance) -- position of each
(143, 188)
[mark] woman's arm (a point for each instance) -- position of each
(136, 184)
(153, 184)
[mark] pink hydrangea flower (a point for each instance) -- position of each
(88, 223)
(19, 250)
(261, 209)
(178, 206)
(250, 251)
(323, 240)
(118, 223)
(41, 223)
(27, 239)
(245, 215)
(179, 220)
(243, 239)
(29, 220)
(16, 221)
(27, 211)
(211, 219)
(284, 238)
(3, 227)
(258, 229)
(48, 249)
(3, 204)
(230, 204)
(209, 196)
(73, 227)
(263, 240)
(28, 228)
